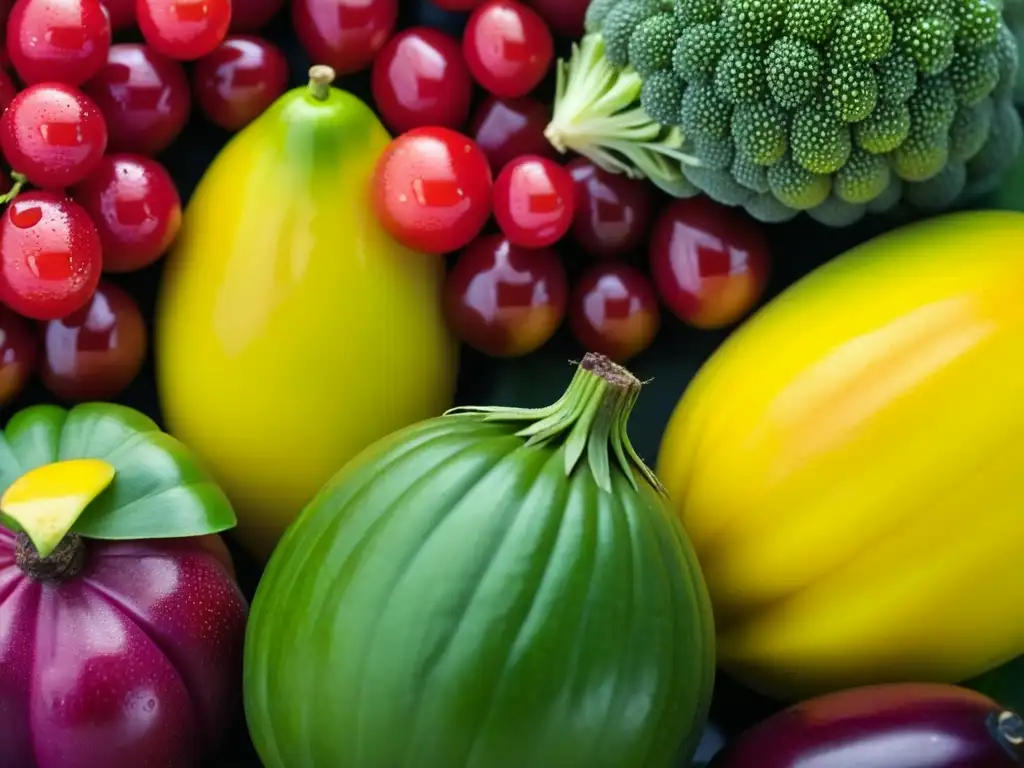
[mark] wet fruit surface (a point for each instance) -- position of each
(62, 41)
(184, 29)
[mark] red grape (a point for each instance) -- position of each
(237, 82)
(534, 201)
(565, 17)
(344, 34)
(508, 128)
(17, 354)
(144, 96)
(53, 134)
(184, 29)
(95, 352)
(121, 12)
(613, 212)
(63, 41)
(432, 190)
(8, 90)
(614, 311)
(136, 209)
(253, 15)
(508, 47)
(50, 255)
(709, 262)
(504, 300)
(419, 79)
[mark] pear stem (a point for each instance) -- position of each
(320, 78)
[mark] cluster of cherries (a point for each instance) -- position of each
(82, 119)
(486, 185)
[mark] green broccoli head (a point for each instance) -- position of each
(833, 107)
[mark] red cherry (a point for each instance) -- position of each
(613, 212)
(534, 201)
(709, 262)
(144, 96)
(136, 209)
(95, 352)
(63, 41)
(8, 90)
(565, 17)
(253, 15)
(344, 34)
(121, 12)
(420, 79)
(508, 47)
(504, 300)
(53, 134)
(50, 255)
(432, 190)
(237, 82)
(508, 128)
(17, 355)
(614, 311)
(184, 29)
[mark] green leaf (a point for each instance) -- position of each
(159, 491)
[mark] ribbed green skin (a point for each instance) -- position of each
(452, 600)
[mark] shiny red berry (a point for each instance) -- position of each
(18, 354)
(508, 128)
(613, 212)
(614, 311)
(344, 34)
(534, 201)
(508, 47)
(53, 134)
(253, 15)
(63, 41)
(238, 81)
(184, 29)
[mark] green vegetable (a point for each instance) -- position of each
(494, 588)
(694, 94)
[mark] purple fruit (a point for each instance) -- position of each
(908, 725)
(117, 653)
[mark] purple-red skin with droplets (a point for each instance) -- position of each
(908, 725)
(136, 661)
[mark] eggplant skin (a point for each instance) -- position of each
(452, 600)
(906, 725)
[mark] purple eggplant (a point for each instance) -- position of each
(907, 725)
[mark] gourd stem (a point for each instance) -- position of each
(591, 418)
(320, 78)
(65, 562)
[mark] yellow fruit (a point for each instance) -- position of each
(292, 331)
(850, 466)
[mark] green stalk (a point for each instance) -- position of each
(590, 418)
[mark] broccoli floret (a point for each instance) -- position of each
(1008, 54)
(767, 208)
(812, 20)
(694, 11)
(837, 213)
(897, 77)
(596, 13)
(884, 129)
(864, 34)
(662, 97)
(652, 45)
(760, 132)
(720, 186)
(797, 187)
(977, 24)
(986, 169)
(620, 23)
(752, 22)
(929, 40)
(716, 154)
(852, 91)
(740, 76)
(862, 179)
(891, 196)
(974, 75)
(820, 142)
(698, 50)
(933, 105)
(921, 156)
(941, 190)
(970, 130)
(705, 114)
(753, 177)
(794, 70)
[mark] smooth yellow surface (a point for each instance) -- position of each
(291, 330)
(46, 501)
(850, 466)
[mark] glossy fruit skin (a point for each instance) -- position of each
(534, 201)
(420, 79)
(184, 29)
(508, 48)
(54, 134)
(709, 262)
(925, 524)
(279, 279)
(96, 352)
(121, 13)
(18, 355)
(613, 310)
(565, 17)
(432, 190)
(473, 584)
(144, 96)
(136, 208)
(239, 80)
(509, 128)
(344, 34)
(135, 660)
(50, 255)
(503, 300)
(612, 213)
(252, 15)
(64, 41)
(884, 726)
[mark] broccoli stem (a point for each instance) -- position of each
(597, 114)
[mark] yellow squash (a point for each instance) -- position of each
(850, 466)
(291, 330)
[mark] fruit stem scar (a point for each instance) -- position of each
(320, 78)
